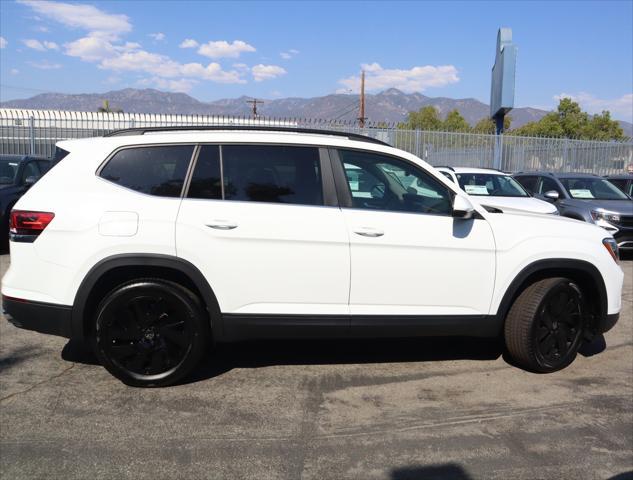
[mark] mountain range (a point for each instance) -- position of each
(390, 106)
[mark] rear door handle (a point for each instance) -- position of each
(369, 232)
(222, 225)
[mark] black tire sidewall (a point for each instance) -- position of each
(194, 316)
(544, 364)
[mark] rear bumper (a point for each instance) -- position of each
(38, 316)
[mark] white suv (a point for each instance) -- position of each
(492, 188)
(153, 243)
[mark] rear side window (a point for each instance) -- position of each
(206, 181)
(273, 174)
(152, 170)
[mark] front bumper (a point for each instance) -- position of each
(624, 238)
(607, 323)
(38, 316)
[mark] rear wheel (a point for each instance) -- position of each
(150, 332)
(544, 328)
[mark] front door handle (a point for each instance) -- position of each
(369, 232)
(222, 225)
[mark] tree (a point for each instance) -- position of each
(570, 121)
(105, 108)
(454, 122)
(427, 118)
(487, 125)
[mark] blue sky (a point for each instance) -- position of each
(214, 50)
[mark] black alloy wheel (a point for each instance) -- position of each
(150, 332)
(545, 325)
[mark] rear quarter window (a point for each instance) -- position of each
(156, 170)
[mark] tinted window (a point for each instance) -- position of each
(275, 174)
(529, 183)
(549, 184)
(380, 182)
(447, 175)
(206, 180)
(8, 170)
(30, 170)
(488, 184)
(621, 184)
(153, 170)
(592, 188)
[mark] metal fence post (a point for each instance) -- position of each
(32, 135)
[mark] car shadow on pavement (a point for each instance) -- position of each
(449, 471)
(255, 354)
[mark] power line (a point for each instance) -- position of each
(351, 110)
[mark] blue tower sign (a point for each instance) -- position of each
(503, 72)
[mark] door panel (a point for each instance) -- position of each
(267, 256)
(408, 255)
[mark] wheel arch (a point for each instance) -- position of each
(582, 272)
(117, 269)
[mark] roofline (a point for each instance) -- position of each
(248, 128)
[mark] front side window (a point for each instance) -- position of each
(380, 182)
(488, 184)
(157, 170)
(272, 174)
(8, 171)
(592, 188)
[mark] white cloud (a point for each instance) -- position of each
(41, 28)
(287, 55)
(45, 65)
(223, 49)
(94, 48)
(40, 46)
(14, 71)
(161, 66)
(183, 85)
(621, 107)
(3, 42)
(189, 43)
(266, 72)
(416, 79)
(87, 17)
(34, 44)
(159, 36)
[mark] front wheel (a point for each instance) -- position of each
(150, 332)
(544, 328)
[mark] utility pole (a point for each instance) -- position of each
(361, 114)
(254, 103)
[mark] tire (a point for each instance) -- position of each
(545, 326)
(150, 332)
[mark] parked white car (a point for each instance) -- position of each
(152, 243)
(496, 189)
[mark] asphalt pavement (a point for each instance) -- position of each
(396, 409)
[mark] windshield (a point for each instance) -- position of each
(8, 171)
(592, 189)
(490, 184)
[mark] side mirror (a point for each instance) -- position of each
(30, 181)
(551, 195)
(462, 208)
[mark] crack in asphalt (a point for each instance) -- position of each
(35, 385)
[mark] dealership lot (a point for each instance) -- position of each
(395, 409)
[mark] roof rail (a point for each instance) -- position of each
(444, 166)
(251, 128)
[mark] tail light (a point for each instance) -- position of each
(26, 226)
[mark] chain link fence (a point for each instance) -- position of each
(35, 132)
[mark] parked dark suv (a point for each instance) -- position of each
(586, 197)
(623, 182)
(17, 174)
